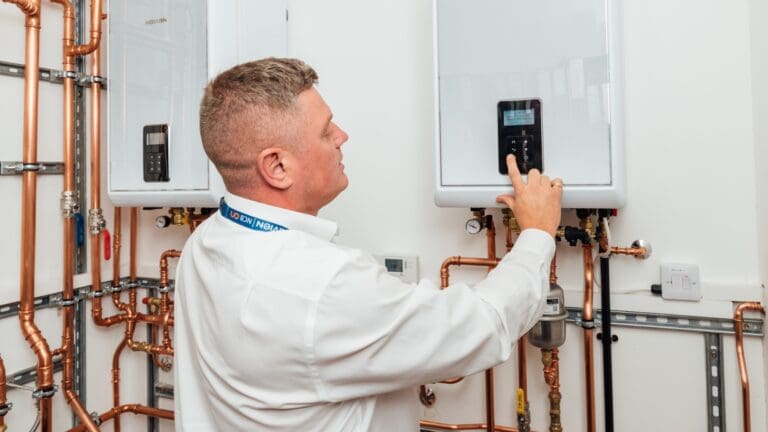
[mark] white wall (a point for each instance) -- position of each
(758, 14)
(689, 108)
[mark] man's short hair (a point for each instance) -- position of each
(248, 108)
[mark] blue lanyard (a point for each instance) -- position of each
(247, 220)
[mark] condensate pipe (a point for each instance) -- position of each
(31, 332)
(738, 325)
(588, 324)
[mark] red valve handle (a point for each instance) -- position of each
(107, 245)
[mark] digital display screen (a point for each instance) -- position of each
(393, 265)
(156, 138)
(523, 117)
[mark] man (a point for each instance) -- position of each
(279, 329)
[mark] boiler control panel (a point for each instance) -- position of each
(519, 124)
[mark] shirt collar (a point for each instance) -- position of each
(321, 228)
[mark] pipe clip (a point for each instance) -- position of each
(69, 205)
(85, 80)
(129, 284)
(588, 324)
(96, 222)
(67, 303)
(45, 393)
(166, 289)
(5, 408)
(96, 419)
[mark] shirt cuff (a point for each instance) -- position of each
(536, 241)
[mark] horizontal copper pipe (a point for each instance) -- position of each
(130, 408)
(738, 324)
(460, 261)
(631, 251)
(466, 426)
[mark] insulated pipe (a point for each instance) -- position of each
(31, 332)
(738, 325)
(588, 323)
(607, 341)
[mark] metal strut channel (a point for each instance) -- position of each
(723, 326)
(713, 347)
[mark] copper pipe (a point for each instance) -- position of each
(93, 44)
(552, 377)
(460, 261)
(738, 325)
(68, 212)
(3, 398)
(466, 426)
(130, 408)
(116, 380)
(631, 251)
(29, 7)
(588, 319)
(490, 402)
(32, 334)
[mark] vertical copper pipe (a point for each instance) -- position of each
(68, 210)
(30, 330)
(3, 398)
(738, 324)
(588, 319)
(116, 380)
(490, 402)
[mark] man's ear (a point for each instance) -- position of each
(274, 165)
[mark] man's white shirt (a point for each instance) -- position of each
(287, 331)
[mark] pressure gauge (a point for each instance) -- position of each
(162, 221)
(473, 226)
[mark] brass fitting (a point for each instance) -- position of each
(587, 225)
(509, 220)
(179, 216)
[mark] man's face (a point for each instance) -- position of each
(319, 153)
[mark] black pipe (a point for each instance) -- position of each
(607, 340)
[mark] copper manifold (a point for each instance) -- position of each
(738, 325)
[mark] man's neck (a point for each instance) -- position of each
(280, 200)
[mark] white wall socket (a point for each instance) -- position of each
(680, 282)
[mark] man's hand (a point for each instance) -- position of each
(537, 203)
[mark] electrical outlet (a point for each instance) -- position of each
(680, 282)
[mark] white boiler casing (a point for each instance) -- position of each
(541, 79)
(160, 55)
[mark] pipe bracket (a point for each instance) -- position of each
(5, 408)
(45, 393)
(67, 303)
(86, 80)
(9, 168)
